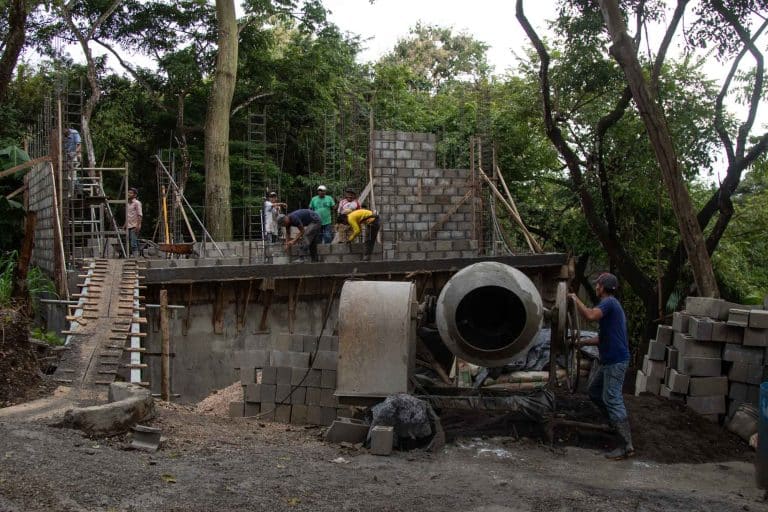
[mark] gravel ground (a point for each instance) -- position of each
(212, 463)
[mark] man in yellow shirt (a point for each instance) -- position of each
(355, 219)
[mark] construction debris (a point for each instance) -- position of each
(145, 438)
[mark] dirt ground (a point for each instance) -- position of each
(20, 378)
(213, 463)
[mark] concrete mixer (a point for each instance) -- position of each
(486, 314)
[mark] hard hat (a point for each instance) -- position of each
(322, 187)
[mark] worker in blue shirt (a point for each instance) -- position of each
(613, 346)
(309, 226)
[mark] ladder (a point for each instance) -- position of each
(256, 182)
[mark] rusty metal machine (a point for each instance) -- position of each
(486, 314)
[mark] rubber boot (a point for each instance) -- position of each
(627, 450)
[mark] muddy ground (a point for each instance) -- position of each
(212, 463)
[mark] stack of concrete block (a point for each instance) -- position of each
(711, 357)
(295, 385)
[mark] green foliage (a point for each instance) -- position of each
(38, 283)
(49, 337)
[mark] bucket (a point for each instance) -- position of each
(743, 423)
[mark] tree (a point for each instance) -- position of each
(13, 42)
(624, 51)
(588, 137)
(218, 215)
(436, 56)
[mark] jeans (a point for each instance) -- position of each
(605, 391)
(327, 233)
(312, 234)
(133, 241)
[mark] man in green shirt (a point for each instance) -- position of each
(324, 204)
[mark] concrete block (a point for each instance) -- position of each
(282, 392)
(724, 333)
(700, 328)
(672, 355)
(247, 376)
(700, 366)
(313, 378)
(283, 341)
(328, 414)
(664, 334)
(325, 360)
(283, 413)
(251, 409)
(236, 409)
(299, 414)
(755, 337)
(382, 440)
(327, 398)
(706, 405)
(689, 347)
(289, 359)
(657, 351)
(740, 354)
(666, 392)
(758, 319)
(267, 375)
(680, 321)
(646, 384)
(314, 415)
(347, 430)
(299, 396)
(253, 392)
(267, 411)
(703, 306)
(298, 376)
(653, 369)
(738, 317)
(313, 396)
(708, 386)
(678, 382)
(284, 375)
(742, 393)
(328, 379)
(746, 373)
(252, 359)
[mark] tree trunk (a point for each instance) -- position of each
(218, 214)
(13, 43)
(661, 141)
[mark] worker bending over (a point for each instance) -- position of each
(355, 219)
(613, 346)
(309, 225)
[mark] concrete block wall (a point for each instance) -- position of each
(40, 201)
(424, 213)
(295, 385)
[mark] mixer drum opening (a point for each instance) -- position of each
(490, 317)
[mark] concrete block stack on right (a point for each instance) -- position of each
(711, 357)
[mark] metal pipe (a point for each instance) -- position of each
(488, 313)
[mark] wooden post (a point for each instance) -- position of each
(19, 290)
(165, 368)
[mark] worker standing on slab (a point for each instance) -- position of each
(133, 216)
(272, 208)
(324, 204)
(350, 202)
(613, 345)
(356, 219)
(309, 225)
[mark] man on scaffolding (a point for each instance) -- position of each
(133, 215)
(72, 154)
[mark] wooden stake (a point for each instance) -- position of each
(165, 368)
